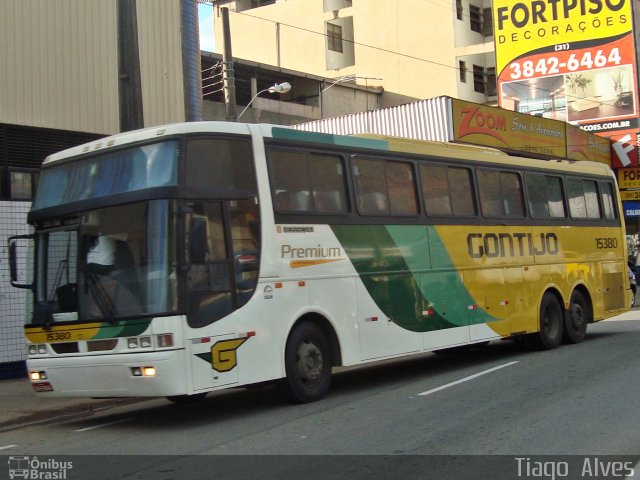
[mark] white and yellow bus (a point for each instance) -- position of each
(182, 259)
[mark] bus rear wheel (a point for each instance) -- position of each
(551, 324)
(307, 364)
(576, 319)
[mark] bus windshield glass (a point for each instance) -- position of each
(121, 171)
(119, 264)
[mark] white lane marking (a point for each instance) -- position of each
(466, 379)
(102, 425)
(6, 447)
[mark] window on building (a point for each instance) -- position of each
(261, 3)
(459, 9)
(491, 87)
(487, 22)
(462, 65)
(478, 79)
(21, 185)
(475, 18)
(334, 37)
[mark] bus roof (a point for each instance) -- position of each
(366, 141)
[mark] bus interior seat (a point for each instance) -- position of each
(375, 202)
(300, 201)
(328, 201)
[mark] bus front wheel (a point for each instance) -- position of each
(576, 319)
(551, 324)
(307, 364)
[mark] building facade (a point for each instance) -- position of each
(412, 49)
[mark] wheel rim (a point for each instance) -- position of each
(577, 316)
(309, 362)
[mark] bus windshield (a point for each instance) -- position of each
(118, 263)
(121, 171)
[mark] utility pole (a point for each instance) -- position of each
(129, 82)
(227, 66)
(191, 66)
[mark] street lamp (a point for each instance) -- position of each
(283, 87)
(351, 78)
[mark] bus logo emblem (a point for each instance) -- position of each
(223, 354)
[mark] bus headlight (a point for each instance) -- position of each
(143, 371)
(37, 349)
(36, 376)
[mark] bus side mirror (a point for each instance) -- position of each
(18, 252)
(198, 240)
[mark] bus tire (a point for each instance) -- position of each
(576, 319)
(551, 324)
(307, 364)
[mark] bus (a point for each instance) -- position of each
(182, 259)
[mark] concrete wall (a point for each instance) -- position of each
(59, 70)
(60, 63)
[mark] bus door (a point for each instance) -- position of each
(222, 253)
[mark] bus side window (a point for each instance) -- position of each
(500, 193)
(435, 185)
(209, 277)
(490, 195)
(512, 193)
(583, 199)
(291, 180)
(607, 201)
(299, 201)
(308, 182)
(385, 187)
(245, 239)
(545, 196)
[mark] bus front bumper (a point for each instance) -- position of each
(152, 374)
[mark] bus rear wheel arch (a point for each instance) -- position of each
(310, 354)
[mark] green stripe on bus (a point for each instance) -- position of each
(325, 138)
(395, 267)
(129, 328)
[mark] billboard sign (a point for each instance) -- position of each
(571, 60)
(507, 130)
(629, 177)
(631, 209)
(517, 132)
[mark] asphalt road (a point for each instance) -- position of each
(479, 412)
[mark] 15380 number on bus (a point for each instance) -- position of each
(606, 243)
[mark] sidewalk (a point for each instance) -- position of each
(21, 406)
